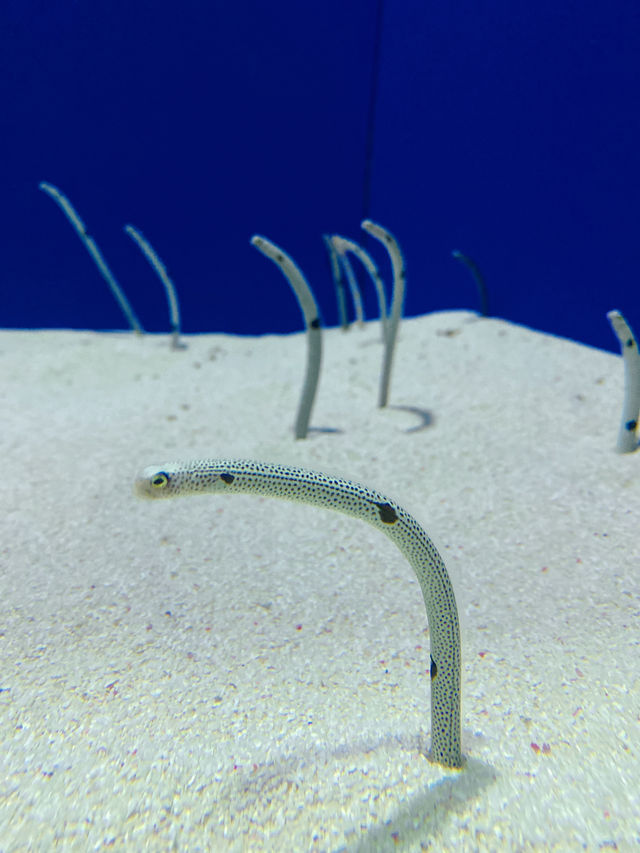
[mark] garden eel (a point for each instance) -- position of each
(92, 247)
(309, 307)
(297, 484)
(397, 298)
(628, 434)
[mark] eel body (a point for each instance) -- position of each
(227, 476)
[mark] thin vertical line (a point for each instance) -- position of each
(371, 113)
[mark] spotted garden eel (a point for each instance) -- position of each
(92, 247)
(628, 433)
(309, 306)
(397, 298)
(297, 484)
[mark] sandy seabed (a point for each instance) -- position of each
(238, 673)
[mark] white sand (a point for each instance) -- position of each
(244, 674)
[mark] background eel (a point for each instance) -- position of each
(628, 434)
(311, 313)
(397, 298)
(297, 484)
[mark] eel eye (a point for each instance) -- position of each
(160, 480)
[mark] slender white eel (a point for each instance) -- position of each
(397, 298)
(628, 433)
(205, 476)
(92, 247)
(311, 312)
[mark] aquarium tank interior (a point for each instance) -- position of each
(506, 131)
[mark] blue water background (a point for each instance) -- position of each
(507, 129)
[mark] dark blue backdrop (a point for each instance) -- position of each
(509, 130)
